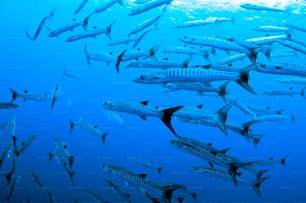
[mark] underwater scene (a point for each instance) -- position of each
(153, 101)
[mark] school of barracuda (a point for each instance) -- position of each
(172, 75)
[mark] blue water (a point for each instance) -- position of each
(37, 66)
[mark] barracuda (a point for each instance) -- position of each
(107, 5)
(149, 5)
(201, 88)
(187, 50)
(27, 96)
(289, 92)
(223, 44)
(268, 40)
(96, 196)
(150, 165)
(157, 64)
(218, 118)
(142, 110)
(92, 33)
(7, 105)
(301, 80)
(207, 21)
(119, 191)
(213, 172)
(92, 129)
(80, 6)
(139, 180)
(205, 146)
(65, 28)
(293, 45)
(197, 75)
(210, 157)
(147, 23)
(4, 153)
(282, 68)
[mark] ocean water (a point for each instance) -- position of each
(37, 66)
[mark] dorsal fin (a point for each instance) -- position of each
(200, 106)
(144, 102)
(143, 175)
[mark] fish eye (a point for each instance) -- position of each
(262, 65)
(142, 77)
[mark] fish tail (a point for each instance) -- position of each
(72, 124)
(108, 32)
(119, 59)
(159, 169)
(253, 55)
(168, 190)
(222, 115)
(244, 78)
(223, 91)
(14, 95)
(167, 114)
(260, 173)
(257, 183)
(103, 137)
(233, 173)
(292, 117)
(256, 139)
(283, 160)
(28, 34)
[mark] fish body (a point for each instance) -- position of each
(27, 96)
(24, 145)
(268, 40)
(38, 30)
(65, 28)
(293, 45)
(196, 75)
(92, 33)
(8, 105)
(282, 68)
(271, 28)
(143, 110)
(107, 5)
(119, 191)
(207, 21)
(231, 59)
(4, 153)
(150, 165)
(139, 180)
(80, 6)
(257, 7)
(147, 23)
(92, 129)
(148, 6)
(213, 172)
(96, 196)
(298, 80)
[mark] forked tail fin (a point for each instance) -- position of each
(167, 114)
(168, 190)
(243, 80)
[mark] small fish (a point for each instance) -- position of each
(92, 33)
(40, 26)
(96, 196)
(197, 75)
(296, 27)
(150, 165)
(118, 190)
(65, 28)
(147, 23)
(36, 179)
(231, 59)
(107, 5)
(289, 92)
(207, 21)
(4, 153)
(213, 172)
(257, 7)
(92, 129)
(297, 46)
(24, 145)
(271, 28)
(149, 6)
(300, 80)
(54, 96)
(139, 180)
(8, 105)
(27, 96)
(271, 118)
(268, 40)
(282, 68)
(70, 74)
(111, 115)
(80, 6)
(143, 110)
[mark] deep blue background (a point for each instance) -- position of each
(38, 66)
